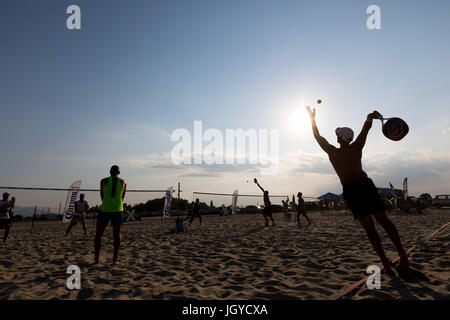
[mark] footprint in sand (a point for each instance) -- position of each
(112, 294)
(85, 293)
(164, 273)
(6, 264)
(101, 281)
(58, 262)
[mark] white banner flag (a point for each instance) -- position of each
(405, 188)
(168, 201)
(234, 201)
(70, 202)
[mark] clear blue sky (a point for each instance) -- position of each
(75, 102)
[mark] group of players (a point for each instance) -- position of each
(267, 212)
(359, 192)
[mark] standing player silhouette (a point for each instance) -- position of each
(360, 192)
(267, 205)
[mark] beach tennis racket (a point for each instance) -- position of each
(394, 128)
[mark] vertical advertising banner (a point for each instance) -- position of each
(168, 201)
(69, 208)
(234, 201)
(405, 188)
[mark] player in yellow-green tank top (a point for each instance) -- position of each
(112, 193)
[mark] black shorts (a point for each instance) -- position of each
(115, 217)
(76, 218)
(268, 211)
(362, 198)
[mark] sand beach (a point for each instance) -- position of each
(229, 257)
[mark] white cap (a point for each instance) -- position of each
(345, 134)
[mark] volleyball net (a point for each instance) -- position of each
(242, 200)
(62, 203)
(52, 202)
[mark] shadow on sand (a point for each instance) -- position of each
(413, 275)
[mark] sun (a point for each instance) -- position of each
(297, 119)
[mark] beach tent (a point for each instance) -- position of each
(386, 192)
(329, 196)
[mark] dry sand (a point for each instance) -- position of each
(225, 258)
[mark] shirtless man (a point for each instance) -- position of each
(196, 212)
(301, 209)
(5, 209)
(267, 205)
(359, 191)
(81, 208)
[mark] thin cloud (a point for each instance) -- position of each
(424, 168)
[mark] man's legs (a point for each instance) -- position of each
(68, 230)
(5, 235)
(392, 231)
(72, 224)
(83, 224)
(200, 218)
(101, 226)
(265, 218)
(298, 218)
(116, 234)
(271, 218)
(307, 218)
(375, 240)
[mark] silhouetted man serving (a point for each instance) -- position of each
(359, 191)
(267, 204)
(112, 192)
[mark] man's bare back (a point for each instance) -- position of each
(346, 160)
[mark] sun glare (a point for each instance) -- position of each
(298, 119)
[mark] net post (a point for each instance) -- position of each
(32, 220)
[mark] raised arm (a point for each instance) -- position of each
(260, 187)
(320, 140)
(256, 181)
(361, 139)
